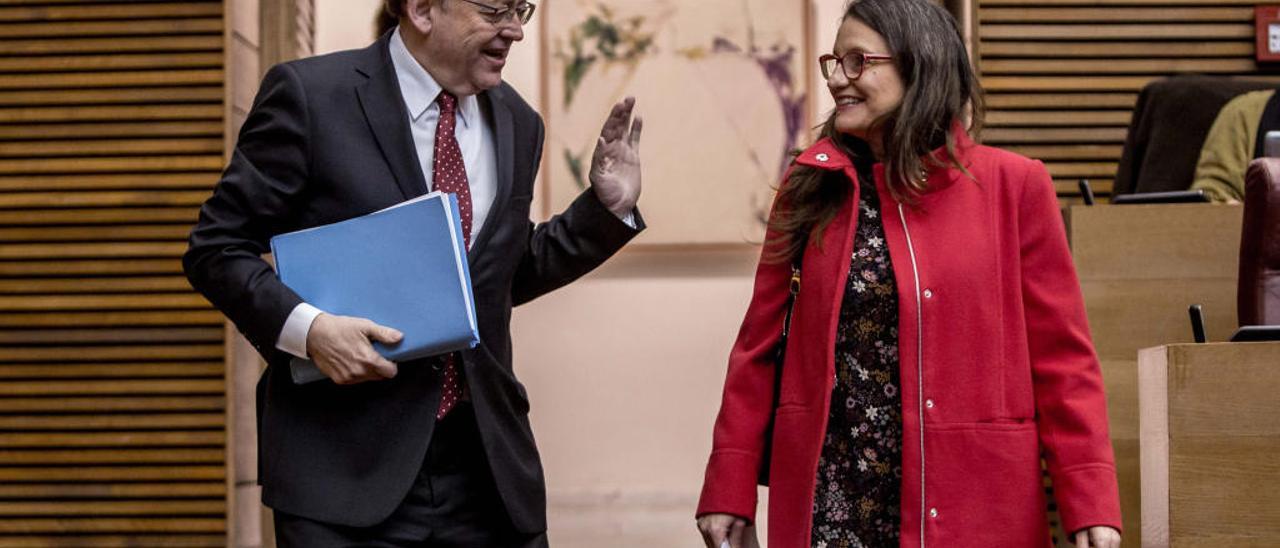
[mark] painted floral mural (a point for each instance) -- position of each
(721, 86)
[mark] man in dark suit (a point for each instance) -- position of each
(439, 452)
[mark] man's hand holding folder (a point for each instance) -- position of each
(339, 346)
(390, 286)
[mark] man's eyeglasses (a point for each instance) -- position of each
(853, 62)
(523, 11)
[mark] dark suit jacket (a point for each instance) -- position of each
(1170, 121)
(328, 139)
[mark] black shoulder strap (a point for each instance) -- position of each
(793, 291)
(780, 353)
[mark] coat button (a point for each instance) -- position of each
(928, 403)
(928, 293)
(822, 157)
(933, 512)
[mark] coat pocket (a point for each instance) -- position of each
(983, 485)
(796, 447)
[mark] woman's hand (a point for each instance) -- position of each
(1098, 537)
(726, 531)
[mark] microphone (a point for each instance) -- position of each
(1086, 191)
(1197, 323)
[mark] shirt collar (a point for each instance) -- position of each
(420, 89)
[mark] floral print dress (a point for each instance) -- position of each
(856, 502)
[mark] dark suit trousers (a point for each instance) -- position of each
(453, 503)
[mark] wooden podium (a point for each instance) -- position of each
(1210, 435)
(1140, 267)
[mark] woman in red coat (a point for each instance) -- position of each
(938, 348)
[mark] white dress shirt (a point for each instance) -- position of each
(479, 155)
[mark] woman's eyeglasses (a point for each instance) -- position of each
(523, 11)
(853, 62)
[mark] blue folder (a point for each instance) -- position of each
(404, 267)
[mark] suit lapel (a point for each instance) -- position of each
(388, 118)
(504, 139)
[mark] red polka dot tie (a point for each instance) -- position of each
(450, 176)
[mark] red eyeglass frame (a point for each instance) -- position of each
(867, 59)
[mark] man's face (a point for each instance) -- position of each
(466, 46)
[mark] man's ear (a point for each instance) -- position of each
(419, 14)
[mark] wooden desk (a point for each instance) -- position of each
(1140, 267)
(1210, 439)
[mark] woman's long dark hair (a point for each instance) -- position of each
(941, 90)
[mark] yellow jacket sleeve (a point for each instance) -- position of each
(1228, 148)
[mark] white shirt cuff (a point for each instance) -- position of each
(293, 337)
(630, 219)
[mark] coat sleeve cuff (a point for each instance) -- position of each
(730, 485)
(1088, 497)
(606, 220)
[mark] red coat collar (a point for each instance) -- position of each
(824, 154)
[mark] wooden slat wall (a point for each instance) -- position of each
(111, 369)
(1062, 76)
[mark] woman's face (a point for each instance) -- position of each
(863, 104)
